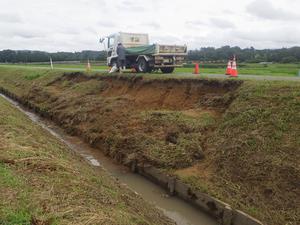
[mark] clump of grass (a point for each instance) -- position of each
(179, 137)
(33, 76)
(179, 119)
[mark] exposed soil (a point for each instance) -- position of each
(158, 119)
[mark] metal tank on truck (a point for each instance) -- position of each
(141, 55)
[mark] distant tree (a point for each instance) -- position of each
(27, 56)
(283, 55)
(289, 59)
(246, 55)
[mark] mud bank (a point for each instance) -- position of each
(174, 208)
(152, 120)
(43, 182)
(173, 94)
(126, 96)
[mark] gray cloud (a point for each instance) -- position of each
(151, 25)
(221, 23)
(264, 9)
(10, 18)
(106, 24)
(9, 31)
(196, 23)
(212, 22)
(167, 39)
(132, 5)
(272, 36)
(26, 36)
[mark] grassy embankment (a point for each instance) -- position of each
(253, 157)
(275, 69)
(240, 145)
(42, 182)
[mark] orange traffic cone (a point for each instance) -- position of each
(234, 72)
(229, 68)
(196, 71)
(88, 66)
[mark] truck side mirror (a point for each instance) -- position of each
(101, 40)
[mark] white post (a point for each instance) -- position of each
(51, 63)
(88, 67)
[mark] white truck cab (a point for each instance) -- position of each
(141, 55)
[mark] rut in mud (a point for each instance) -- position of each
(164, 123)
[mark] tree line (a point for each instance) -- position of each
(27, 56)
(250, 55)
(283, 55)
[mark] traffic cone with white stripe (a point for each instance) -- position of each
(234, 72)
(229, 68)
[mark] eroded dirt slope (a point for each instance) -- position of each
(43, 182)
(236, 141)
(163, 122)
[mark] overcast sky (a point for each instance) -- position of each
(74, 25)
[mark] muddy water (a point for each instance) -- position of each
(173, 207)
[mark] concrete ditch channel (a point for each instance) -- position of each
(173, 197)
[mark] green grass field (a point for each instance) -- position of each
(290, 70)
(251, 69)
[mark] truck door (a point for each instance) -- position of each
(111, 44)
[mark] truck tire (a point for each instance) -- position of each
(167, 69)
(142, 66)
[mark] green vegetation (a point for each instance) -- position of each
(11, 213)
(174, 138)
(238, 141)
(249, 55)
(96, 65)
(255, 153)
(12, 56)
(284, 55)
(42, 182)
(248, 69)
(243, 69)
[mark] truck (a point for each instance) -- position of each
(141, 55)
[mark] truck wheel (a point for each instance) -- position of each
(142, 66)
(167, 69)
